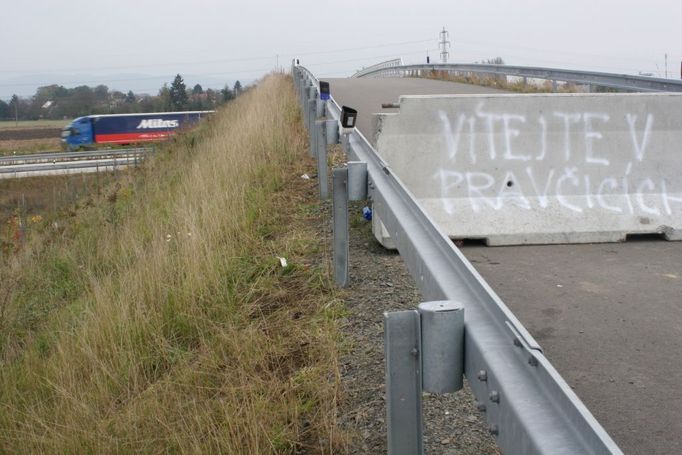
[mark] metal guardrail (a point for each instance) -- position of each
(45, 167)
(40, 164)
(397, 62)
(529, 407)
(616, 81)
(72, 156)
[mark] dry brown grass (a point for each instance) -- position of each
(160, 319)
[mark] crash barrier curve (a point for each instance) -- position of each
(528, 406)
(589, 78)
(537, 169)
(386, 66)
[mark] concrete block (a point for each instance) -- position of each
(381, 233)
(546, 168)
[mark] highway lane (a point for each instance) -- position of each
(609, 316)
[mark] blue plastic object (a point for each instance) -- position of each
(367, 213)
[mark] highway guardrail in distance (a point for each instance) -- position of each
(591, 78)
(386, 66)
(55, 163)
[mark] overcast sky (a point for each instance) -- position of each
(128, 44)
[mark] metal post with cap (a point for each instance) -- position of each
(424, 353)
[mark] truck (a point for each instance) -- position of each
(123, 129)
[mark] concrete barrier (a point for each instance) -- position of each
(534, 169)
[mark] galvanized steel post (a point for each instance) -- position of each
(357, 180)
(304, 104)
(340, 211)
(302, 87)
(402, 336)
(320, 108)
(442, 346)
(345, 143)
(332, 130)
(310, 121)
(312, 106)
(321, 152)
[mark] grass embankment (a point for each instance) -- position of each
(160, 319)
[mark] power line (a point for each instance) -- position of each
(227, 73)
(224, 60)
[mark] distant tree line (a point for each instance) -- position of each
(56, 102)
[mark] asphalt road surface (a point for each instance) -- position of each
(608, 316)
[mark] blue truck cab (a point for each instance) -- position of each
(78, 134)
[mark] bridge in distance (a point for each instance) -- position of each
(608, 316)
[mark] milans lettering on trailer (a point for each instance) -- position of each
(158, 123)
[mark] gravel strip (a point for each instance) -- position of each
(380, 282)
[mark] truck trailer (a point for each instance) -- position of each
(122, 129)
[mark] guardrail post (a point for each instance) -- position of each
(348, 183)
(345, 143)
(341, 237)
(320, 108)
(424, 352)
(442, 346)
(300, 82)
(312, 135)
(357, 180)
(305, 108)
(332, 129)
(302, 87)
(402, 339)
(311, 96)
(310, 122)
(321, 153)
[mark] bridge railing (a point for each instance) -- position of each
(529, 407)
(616, 81)
(386, 66)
